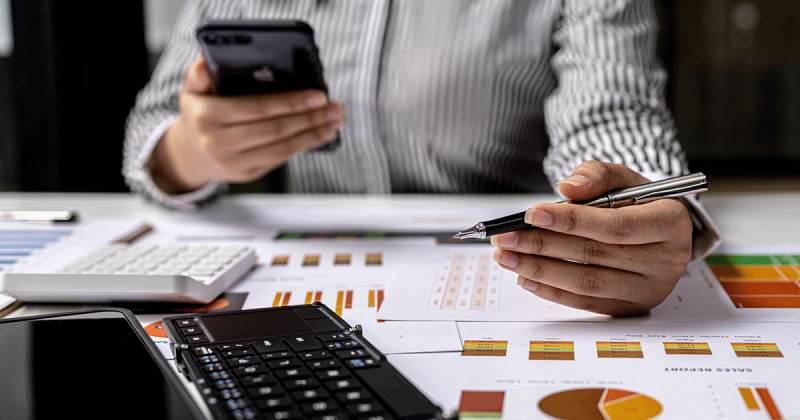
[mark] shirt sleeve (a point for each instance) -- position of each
(155, 110)
(610, 103)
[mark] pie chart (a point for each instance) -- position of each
(600, 404)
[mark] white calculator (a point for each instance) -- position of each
(187, 273)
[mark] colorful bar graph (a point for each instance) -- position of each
(348, 301)
(374, 258)
(311, 260)
(484, 348)
(619, 349)
(756, 350)
(751, 401)
(687, 348)
(312, 297)
(279, 260)
(551, 350)
(485, 404)
(759, 281)
(341, 259)
(339, 302)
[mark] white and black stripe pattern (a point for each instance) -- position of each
(447, 96)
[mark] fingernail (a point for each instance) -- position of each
(334, 114)
(528, 285)
(576, 180)
(538, 217)
(506, 258)
(316, 100)
(505, 240)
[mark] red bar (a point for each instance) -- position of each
(348, 302)
(286, 299)
(774, 414)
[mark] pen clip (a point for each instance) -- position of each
(672, 192)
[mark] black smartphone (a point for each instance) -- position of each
(262, 56)
(90, 364)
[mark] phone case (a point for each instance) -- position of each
(250, 57)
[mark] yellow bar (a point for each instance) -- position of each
(277, 301)
(339, 302)
(749, 398)
(309, 297)
(371, 298)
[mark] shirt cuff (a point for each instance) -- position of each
(187, 201)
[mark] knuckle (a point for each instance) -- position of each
(276, 128)
(591, 251)
(536, 243)
(587, 284)
(617, 228)
(569, 221)
(537, 270)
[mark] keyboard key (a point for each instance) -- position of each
(361, 363)
(265, 391)
(301, 383)
(354, 396)
(236, 353)
(333, 373)
(348, 354)
(284, 363)
(313, 355)
(258, 380)
(277, 355)
(274, 403)
(299, 344)
(249, 370)
(342, 384)
(310, 395)
(291, 414)
(319, 407)
(298, 372)
(324, 364)
(367, 408)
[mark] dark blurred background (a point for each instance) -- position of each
(734, 87)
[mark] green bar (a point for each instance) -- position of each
(726, 260)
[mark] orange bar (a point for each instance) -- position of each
(774, 414)
(348, 303)
(318, 297)
(746, 272)
(371, 299)
(766, 301)
(309, 296)
(380, 298)
(749, 399)
(761, 288)
(286, 297)
(277, 300)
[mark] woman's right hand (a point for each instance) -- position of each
(238, 138)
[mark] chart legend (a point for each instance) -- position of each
(756, 350)
(687, 348)
(551, 350)
(484, 348)
(620, 349)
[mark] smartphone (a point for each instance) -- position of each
(262, 56)
(89, 364)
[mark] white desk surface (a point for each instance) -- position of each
(742, 218)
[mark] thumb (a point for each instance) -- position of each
(592, 179)
(198, 79)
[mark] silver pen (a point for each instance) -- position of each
(666, 188)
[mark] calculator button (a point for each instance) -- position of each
(301, 383)
(319, 407)
(197, 339)
(284, 363)
(257, 380)
(228, 393)
(367, 408)
(249, 370)
(241, 361)
(314, 355)
(233, 346)
(324, 364)
(236, 403)
(298, 372)
(274, 403)
(310, 395)
(333, 373)
(277, 355)
(265, 391)
(361, 363)
(348, 354)
(224, 384)
(291, 414)
(333, 346)
(236, 353)
(354, 396)
(333, 337)
(185, 322)
(299, 344)
(268, 346)
(331, 416)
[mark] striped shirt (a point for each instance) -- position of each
(452, 96)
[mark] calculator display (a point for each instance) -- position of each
(251, 325)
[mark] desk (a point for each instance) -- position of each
(743, 219)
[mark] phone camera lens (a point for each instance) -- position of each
(210, 38)
(242, 39)
(225, 39)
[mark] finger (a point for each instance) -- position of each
(256, 135)
(557, 245)
(211, 110)
(656, 221)
(614, 307)
(198, 79)
(271, 155)
(581, 279)
(592, 178)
